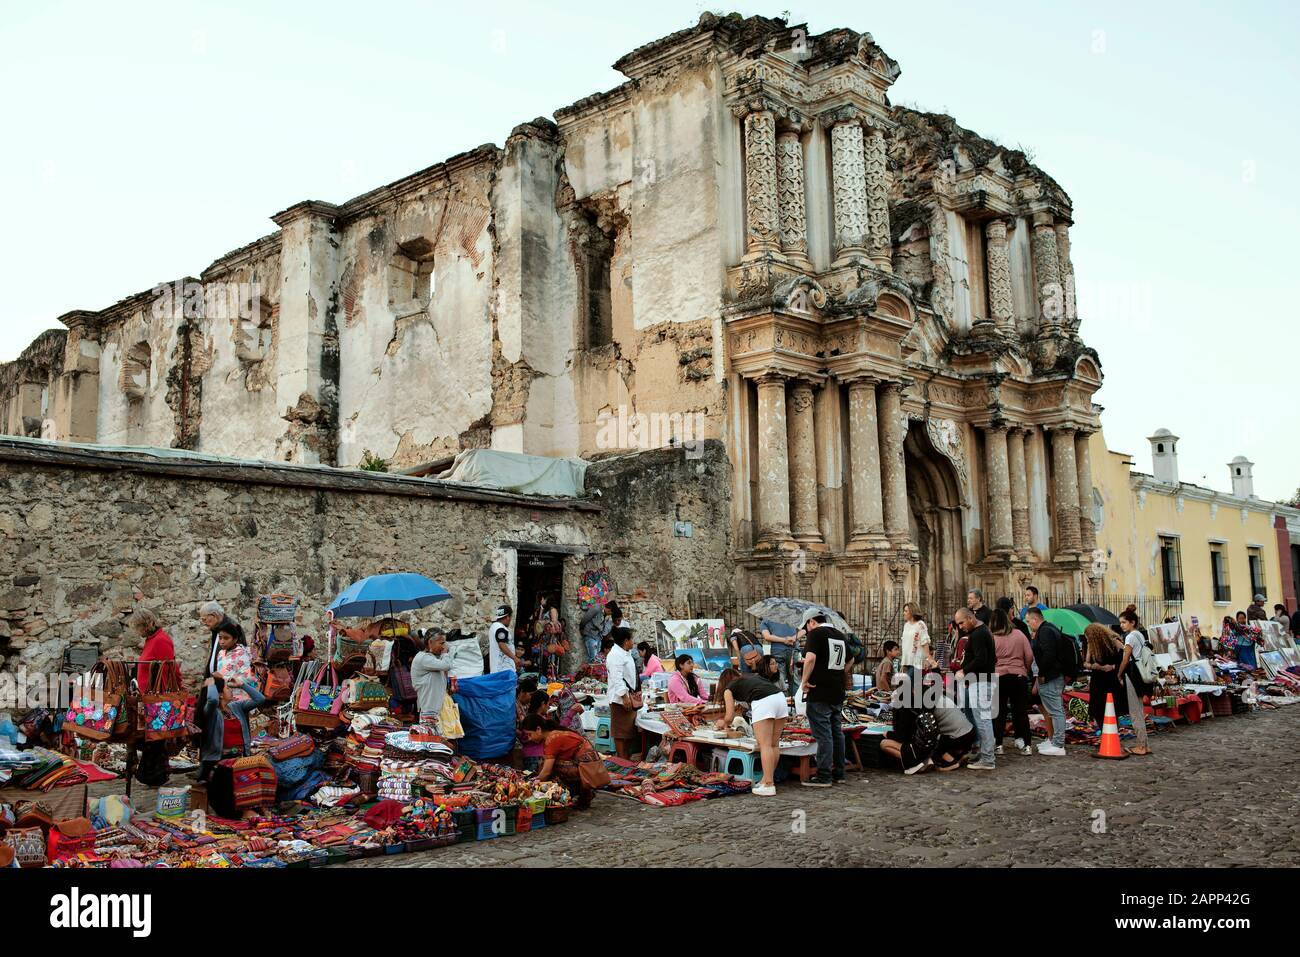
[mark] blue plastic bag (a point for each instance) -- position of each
(487, 713)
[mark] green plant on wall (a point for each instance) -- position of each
(370, 462)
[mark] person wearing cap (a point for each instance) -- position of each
(501, 648)
(1256, 611)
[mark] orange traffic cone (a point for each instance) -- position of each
(1110, 746)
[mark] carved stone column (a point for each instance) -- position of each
(1065, 492)
(1047, 273)
(790, 195)
(1001, 308)
(803, 465)
(849, 187)
(1019, 494)
(1083, 465)
(1066, 266)
(762, 231)
(998, 481)
(879, 243)
(773, 462)
(864, 459)
(892, 468)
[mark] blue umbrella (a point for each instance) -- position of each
(386, 594)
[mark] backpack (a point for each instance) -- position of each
(1148, 669)
(926, 735)
(1069, 658)
(855, 649)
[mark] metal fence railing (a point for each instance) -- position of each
(877, 616)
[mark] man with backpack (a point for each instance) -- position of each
(1057, 660)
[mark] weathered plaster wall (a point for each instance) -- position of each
(84, 545)
(240, 398)
(414, 377)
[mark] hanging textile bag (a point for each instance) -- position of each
(319, 701)
(95, 708)
(278, 683)
(399, 679)
(161, 713)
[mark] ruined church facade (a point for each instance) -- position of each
(869, 306)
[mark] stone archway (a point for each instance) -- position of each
(935, 512)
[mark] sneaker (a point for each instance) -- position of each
(1020, 743)
(914, 769)
(1050, 749)
(998, 750)
(981, 766)
(1026, 749)
(839, 780)
(763, 790)
(816, 783)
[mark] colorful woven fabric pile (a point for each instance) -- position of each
(662, 784)
(40, 769)
(364, 745)
(487, 801)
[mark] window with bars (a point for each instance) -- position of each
(1256, 560)
(1171, 569)
(1219, 574)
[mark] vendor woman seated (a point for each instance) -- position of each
(230, 691)
(768, 711)
(683, 686)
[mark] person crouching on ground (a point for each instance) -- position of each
(768, 711)
(567, 757)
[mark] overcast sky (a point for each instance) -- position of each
(147, 139)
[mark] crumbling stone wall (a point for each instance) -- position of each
(87, 537)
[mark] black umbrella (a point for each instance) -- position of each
(1098, 614)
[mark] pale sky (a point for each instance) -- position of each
(147, 139)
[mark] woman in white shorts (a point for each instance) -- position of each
(768, 711)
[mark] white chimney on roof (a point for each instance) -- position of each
(1164, 456)
(1243, 483)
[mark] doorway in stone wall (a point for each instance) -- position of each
(935, 515)
(537, 575)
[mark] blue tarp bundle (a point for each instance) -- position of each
(487, 712)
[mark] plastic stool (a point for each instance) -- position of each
(717, 760)
(604, 737)
(685, 752)
(748, 765)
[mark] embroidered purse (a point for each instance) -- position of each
(94, 709)
(70, 838)
(362, 694)
(28, 845)
(162, 710)
(319, 703)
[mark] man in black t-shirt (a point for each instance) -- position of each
(979, 676)
(825, 676)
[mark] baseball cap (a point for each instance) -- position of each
(501, 612)
(1259, 598)
(811, 614)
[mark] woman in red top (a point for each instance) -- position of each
(157, 643)
(564, 754)
(153, 769)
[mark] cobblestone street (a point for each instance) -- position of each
(1221, 793)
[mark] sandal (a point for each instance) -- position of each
(1138, 754)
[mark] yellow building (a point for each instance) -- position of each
(1182, 549)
